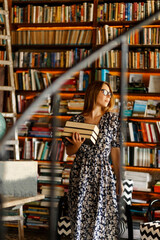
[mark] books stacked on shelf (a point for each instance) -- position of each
(69, 85)
(142, 157)
(76, 104)
(63, 106)
(143, 132)
(58, 192)
(141, 180)
(23, 129)
(72, 106)
(66, 175)
(37, 216)
(88, 131)
(23, 103)
(41, 127)
(67, 158)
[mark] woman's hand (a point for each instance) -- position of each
(76, 142)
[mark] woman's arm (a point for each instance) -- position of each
(115, 156)
(76, 142)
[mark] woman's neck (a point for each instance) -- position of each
(94, 116)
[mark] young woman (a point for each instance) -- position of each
(93, 191)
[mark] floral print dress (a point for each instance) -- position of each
(92, 193)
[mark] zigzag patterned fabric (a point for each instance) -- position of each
(64, 226)
(127, 191)
(126, 199)
(150, 230)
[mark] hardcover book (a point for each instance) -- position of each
(87, 131)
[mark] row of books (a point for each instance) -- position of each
(143, 132)
(23, 103)
(38, 149)
(36, 216)
(32, 80)
(66, 106)
(57, 59)
(36, 80)
(137, 59)
(142, 157)
(50, 37)
(147, 36)
(142, 108)
(52, 14)
(132, 11)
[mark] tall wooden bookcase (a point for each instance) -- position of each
(47, 34)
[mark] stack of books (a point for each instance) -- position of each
(141, 181)
(86, 130)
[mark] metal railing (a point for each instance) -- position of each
(54, 87)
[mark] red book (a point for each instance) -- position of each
(144, 132)
(70, 82)
(150, 130)
(43, 129)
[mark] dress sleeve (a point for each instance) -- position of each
(116, 131)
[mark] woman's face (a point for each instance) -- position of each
(104, 96)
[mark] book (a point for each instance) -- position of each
(81, 131)
(135, 78)
(139, 108)
(89, 138)
(154, 86)
(151, 109)
(82, 126)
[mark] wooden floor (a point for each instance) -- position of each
(29, 234)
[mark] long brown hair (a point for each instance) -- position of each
(91, 94)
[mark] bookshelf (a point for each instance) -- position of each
(47, 34)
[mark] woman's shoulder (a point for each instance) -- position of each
(76, 117)
(111, 115)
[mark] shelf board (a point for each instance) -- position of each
(48, 47)
(140, 96)
(141, 169)
(125, 23)
(145, 195)
(141, 144)
(49, 2)
(143, 119)
(69, 25)
(143, 71)
(43, 138)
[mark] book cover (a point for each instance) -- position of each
(154, 86)
(139, 108)
(89, 139)
(82, 126)
(81, 131)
